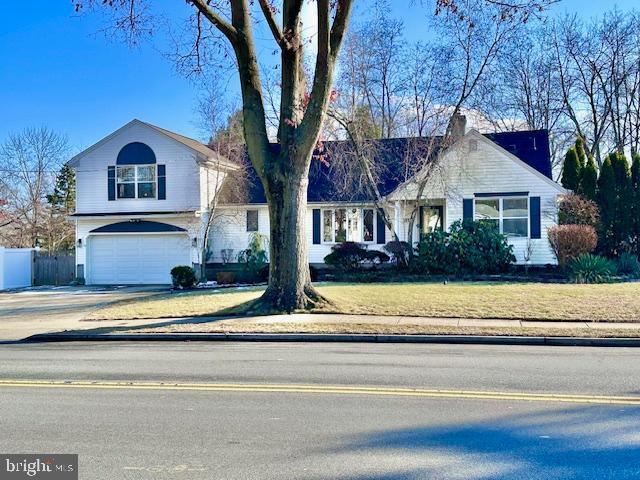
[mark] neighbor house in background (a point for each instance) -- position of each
(143, 196)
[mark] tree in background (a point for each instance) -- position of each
(571, 171)
(28, 162)
(59, 231)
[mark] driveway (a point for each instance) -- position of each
(34, 310)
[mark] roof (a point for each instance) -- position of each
(394, 166)
(138, 226)
(189, 142)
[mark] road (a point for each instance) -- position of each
(324, 411)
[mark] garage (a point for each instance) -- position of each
(135, 258)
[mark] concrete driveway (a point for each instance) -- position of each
(26, 312)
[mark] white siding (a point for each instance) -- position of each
(182, 180)
(229, 231)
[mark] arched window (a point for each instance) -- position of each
(136, 172)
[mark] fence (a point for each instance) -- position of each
(53, 269)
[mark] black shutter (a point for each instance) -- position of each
(111, 183)
(162, 182)
(534, 217)
(467, 209)
(316, 226)
(380, 229)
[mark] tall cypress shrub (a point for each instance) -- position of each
(589, 180)
(606, 197)
(635, 203)
(623, 220)
(571, 170)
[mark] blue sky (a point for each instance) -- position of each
(59, 70)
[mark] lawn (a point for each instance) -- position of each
(526, 301)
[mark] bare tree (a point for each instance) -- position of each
(28, 163)
(527, 93)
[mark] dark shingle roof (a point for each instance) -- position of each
(393, 157)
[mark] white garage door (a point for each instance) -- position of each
(136, 259)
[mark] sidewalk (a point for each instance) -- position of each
(340, 327)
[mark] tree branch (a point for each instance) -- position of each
(220, 23)
(268, 12)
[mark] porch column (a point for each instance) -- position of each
(398, 221)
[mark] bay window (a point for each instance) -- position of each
(136, 181)
(347, 225)
(510, 215)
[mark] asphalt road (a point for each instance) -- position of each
(184, 411)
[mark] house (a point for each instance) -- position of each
(143, 194)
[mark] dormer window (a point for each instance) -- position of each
(136, 175)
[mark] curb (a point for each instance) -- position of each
(337, 338)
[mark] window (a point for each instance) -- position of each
(515, 217)
(252, 220)
(510, 214)
(347, 225)
(136, 181)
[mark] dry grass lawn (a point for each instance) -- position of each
(523, 301)
(229, 326)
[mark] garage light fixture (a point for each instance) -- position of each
(79, 243)
(194, 242)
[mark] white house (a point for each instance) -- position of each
(143, 194)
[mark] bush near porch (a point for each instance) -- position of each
(528, 301)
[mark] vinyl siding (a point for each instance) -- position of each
(182, 173)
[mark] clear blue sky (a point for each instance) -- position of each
(58, 70)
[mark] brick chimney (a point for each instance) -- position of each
(458, 125)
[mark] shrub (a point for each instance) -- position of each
(577, 210)
(628, 264)
(570, 241)
(468, 247)
(183, 276)
(399, 251)
(226, 278)
(589, 268)
(350, 256)
(77, 281)
(254, 257)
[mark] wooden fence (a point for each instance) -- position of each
(52, 269)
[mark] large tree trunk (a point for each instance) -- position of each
(289, 279)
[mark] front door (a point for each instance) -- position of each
(431, 218)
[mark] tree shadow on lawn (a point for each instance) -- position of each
(591, 442)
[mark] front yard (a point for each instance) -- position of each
(483, 300)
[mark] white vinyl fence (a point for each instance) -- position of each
(15, 267)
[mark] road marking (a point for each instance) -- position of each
(326, 389)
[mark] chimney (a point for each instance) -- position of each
(458, 125)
